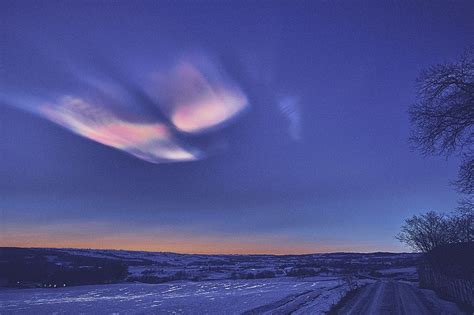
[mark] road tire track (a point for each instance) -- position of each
(393, 297)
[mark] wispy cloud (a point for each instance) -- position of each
(290, 108)
(152, 142)
(194, 95)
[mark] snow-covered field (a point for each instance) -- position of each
(169, 283)
(312, 295)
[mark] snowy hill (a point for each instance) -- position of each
(40, 267)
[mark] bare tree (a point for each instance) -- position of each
(427, 231)
(465, 181)
(462, 221)
(443, 116)
(424, 232)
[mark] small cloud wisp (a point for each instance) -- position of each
(289, 107)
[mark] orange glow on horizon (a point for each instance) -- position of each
(170, 243)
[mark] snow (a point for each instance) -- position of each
(213, 283)
(395, 297)
(182, 297)
(220, 267)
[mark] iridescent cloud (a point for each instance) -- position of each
(193, 96)
(197, 98)
(152, 142)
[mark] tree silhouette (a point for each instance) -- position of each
(443, 116)
(427, 231)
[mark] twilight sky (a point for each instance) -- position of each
(218, 127)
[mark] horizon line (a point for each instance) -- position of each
(209, 253)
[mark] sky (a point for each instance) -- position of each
(219, 127)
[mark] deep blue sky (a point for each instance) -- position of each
(335, 174)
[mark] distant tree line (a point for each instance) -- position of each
(149, 278)
(24, 267)
(251, 275)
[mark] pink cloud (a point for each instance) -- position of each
(149, 141)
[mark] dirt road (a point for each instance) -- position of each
(393, 297)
